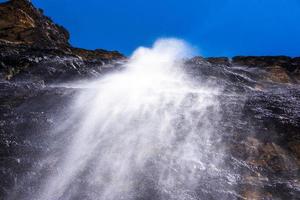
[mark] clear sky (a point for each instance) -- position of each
(215, 27)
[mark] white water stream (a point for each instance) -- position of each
(143, 131)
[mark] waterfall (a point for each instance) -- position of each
(145, 132)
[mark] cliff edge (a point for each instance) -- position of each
(28, 40)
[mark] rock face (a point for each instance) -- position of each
(260, 105)
(21, 23)
(23, 62)
(260, 122)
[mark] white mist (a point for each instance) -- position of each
(145, 130)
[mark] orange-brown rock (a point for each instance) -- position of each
(268, 155)
(252, 194)
(20, 22)
(278, 74)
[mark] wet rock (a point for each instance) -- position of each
(250, 194)
(271, 156)
(22, 62)
(260, 125)
(281, 69)
(278, 74)
(28, 110)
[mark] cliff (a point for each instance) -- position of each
(259, 110)
(28, 39)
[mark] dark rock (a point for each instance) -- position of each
(262, 61)
(260, 124)
(219, 60)
(288, 63)
(20, 62)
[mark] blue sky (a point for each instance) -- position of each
(215, 27)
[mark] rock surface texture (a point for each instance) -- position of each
(260, 105)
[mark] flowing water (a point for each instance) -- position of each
(142, 133)
(161, 127)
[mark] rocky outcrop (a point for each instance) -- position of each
(291, 64)
(30, 45)
(281, 68)
(219, 60)
(22, 23)
(23, 62)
